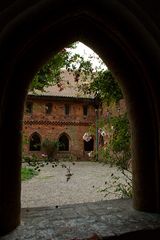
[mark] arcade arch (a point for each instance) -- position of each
(125, 37)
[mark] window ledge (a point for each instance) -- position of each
(111, 219)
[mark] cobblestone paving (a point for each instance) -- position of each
(50, 187)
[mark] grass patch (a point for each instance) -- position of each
(28, 173)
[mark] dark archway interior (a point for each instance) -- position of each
(35, 142)
(64, 143)
(126, 36)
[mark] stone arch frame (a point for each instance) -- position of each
(30, 138)
(68, 137)
(115, 30)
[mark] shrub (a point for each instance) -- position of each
(50, 148)
(118, 153)
(118, 150)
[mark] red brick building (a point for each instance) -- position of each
(60, 113)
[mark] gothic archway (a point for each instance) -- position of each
(125, 36)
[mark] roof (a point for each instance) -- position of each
(68, 87)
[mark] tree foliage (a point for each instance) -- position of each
(94, 80)
(121, 135)
(118, 151)
(50, 73)
(106, 86)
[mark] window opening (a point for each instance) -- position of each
(63, 143)
(66, 109)
(48, 108)
(35, 142)
(29, 107)
(85, 110)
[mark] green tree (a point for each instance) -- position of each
(50, 73)
(106, 86)
(98, 80)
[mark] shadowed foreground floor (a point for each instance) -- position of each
(100, 220)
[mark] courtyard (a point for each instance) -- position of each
(51, 187)
(56, 209)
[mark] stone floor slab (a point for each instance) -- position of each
(100, 220)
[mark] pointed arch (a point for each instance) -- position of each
(125, 35)
(64, 142)
(35, 142)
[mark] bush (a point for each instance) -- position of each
(50, 148)
(118, 151)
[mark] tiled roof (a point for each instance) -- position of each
(68, 88)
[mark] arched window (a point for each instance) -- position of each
(85, 110)
(48, 108)
(35, 142)
(89, 145)
(63, 143)
(29, 107)
(66, 109)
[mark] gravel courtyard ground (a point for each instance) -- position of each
(50, 187)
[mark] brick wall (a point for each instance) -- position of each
(57, 122)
